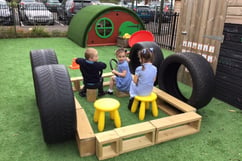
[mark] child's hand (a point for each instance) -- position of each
(114, 72)
(127, 59)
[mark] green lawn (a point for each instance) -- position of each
(20, 130)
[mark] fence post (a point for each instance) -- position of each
(173, 30)
(161, 13)
(13, 5)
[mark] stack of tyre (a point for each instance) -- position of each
(229, 69)
(54, 96)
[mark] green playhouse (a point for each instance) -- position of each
(100, 25)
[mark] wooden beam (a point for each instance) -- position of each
(176, 126)
(178, 104)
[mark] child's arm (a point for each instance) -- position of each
(135, 79)
(123, 74)
(101, 65)
(79, 60)
(154, 79)
(127, 59)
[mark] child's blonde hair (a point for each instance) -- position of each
(90, 52)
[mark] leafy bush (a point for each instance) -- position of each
(36, 31)
(39, 31)
(7, 32)
(57, 33)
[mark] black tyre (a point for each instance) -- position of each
(113, 64)
(134, 59)
(200, 71)
(56, 103)
(41, 57)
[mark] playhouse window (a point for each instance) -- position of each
(104, 27)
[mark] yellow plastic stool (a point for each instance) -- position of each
(106, 105)
(144, 104)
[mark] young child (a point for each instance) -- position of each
(145, 76)
(91, 71)
(122, 77)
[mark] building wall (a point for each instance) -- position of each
(177, 6)
(234, 12)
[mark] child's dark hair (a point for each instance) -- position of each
(146, 55)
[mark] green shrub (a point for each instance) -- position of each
(39, 31)
(7, 32)
(57, 33)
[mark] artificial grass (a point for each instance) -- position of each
(20, 130)
(127, 118)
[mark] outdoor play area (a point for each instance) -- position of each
(44, 118)
(21, 134)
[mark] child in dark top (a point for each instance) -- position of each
(144, 77)
(91, 71)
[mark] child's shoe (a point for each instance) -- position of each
(101, 94)
(131, 100)
(110, 92)
(82, 94)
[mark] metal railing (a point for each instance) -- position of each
(163, 28)
(165, 32)
(30, 14)
(6, 14)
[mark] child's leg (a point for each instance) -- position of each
(111, 84)
(131, 100)
(83, 91)
(100, 88)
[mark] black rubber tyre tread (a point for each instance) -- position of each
(229, 79)
(227, 70)
(111, 63)
(41, 57)
(201, 72)
(231, 85)
(229, 96)
(230, 53)
(134, 59)
(56, 103)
